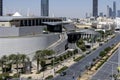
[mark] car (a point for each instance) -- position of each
(63, 74)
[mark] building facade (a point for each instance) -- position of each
(95, 8)
(114, 9)
(1, 7)
(118, 13)
(44, 7)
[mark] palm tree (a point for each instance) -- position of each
(12, 59)
(17, 61)
(4, 61)
(24, 58)
(38, 56)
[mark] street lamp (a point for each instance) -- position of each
(53, 65)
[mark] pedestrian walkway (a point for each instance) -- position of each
(49, 72)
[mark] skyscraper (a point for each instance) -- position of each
(108, 11)
(118, 13)
(1, 7)
(114, 9)
(95, 8)
(44, 7)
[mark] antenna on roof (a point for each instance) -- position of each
(53, 15)
(28, 12)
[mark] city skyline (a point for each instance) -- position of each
(57, 8)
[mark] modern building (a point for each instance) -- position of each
(20, 21)
(95, 8)
(25, 34)
(1, 7)
(114, 9)
(101, 14)
(110, 12)
(118, 13)
(44, 7)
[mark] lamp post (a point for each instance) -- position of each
(53, 65)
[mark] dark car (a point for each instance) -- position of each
(63, 74)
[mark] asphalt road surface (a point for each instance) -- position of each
(77, 69)
(108, 69)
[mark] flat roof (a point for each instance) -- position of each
(53, 23)
(10, 18)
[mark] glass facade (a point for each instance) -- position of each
(114, 9)
(44, 7)
(1, 7)
(95, 8)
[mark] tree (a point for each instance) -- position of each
(17, 61)
(38, 57)
(48, 52)
(4, 61)
(81, 45)
(24, 59)
(43, 64)
(102, 54)
(12, 59)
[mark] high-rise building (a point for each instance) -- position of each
(114, 9)
(118, 13)
(1, 7)
(110, 12)
(101, 14)
(95, 8)
(44, 7)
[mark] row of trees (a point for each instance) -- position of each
(9, 62)
(15, 61)
(6, 62)
(41, 56)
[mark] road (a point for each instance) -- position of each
(77, 69)
(108, 69)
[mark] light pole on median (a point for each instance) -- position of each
(53, 65)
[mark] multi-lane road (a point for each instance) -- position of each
(77, 69)
(107, 71)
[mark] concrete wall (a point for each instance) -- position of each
(20, 31)
(31, 30)
(9, 31)
(26, 45)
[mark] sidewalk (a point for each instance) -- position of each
(49, 72)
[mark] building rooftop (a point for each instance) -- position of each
(10, 18)
(88, 31)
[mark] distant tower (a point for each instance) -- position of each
(95, 8)
(114, 9)
(1, 7)
(44, 7)
(108, 11)
(118, 13)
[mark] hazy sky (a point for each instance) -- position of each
(68, 8)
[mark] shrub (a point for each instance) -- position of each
(79, 58)
(29, 77)
(16, 75)
(62, 69)
(4, 75)
(49, 77)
